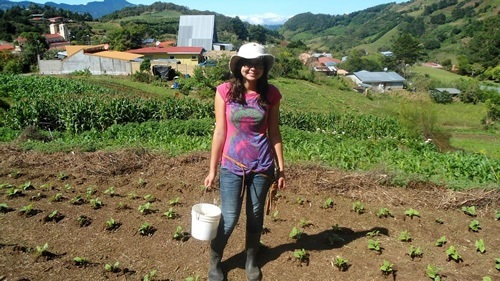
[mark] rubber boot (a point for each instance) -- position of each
(217, 246)
(252, 247)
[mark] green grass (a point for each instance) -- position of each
(437, 74)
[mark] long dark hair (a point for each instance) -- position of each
(238, 90)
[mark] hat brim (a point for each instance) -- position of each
(268, 61)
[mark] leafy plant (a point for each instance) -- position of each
(301, 255)
(384, 212)
(111, 224)
(387, 268)
(333, 238)
(149, 198)
(149, 276)
(275, 216)
(179, 234)
(474, 226)
(373, 233)
(132, 195)
(80, 261)
(497, 215)
(471, 211)
(146, 229)
(404, 236)
(433, 272)
(453, 254)
(415, 252)
(111, 191)
(54, 216)
(439, 220)
(122, 206)
(305, 223)
(42, 250)
(374, 245)
(112, 267)
(170, 214)
(62, 176)
(487, 278)
(497, 263)
(441, 241)
(145, 208)
(56, 197)
(300, 201)
(95, 203)
(26, 186)
(83, 221)
(480, 247)
(412, 213)
(14, 192)
(174, 202)
(90, 191)
(4, 208)
(190, 278)
(141, 182)
(358, 207)
(28, 210)
(77, 200)
(296, 233)
(341, 263)
(328, 203)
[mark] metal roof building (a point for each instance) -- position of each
(197, 31)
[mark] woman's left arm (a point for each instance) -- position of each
(276, 141)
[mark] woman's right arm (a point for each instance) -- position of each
(218, 139)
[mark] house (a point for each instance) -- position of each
(183, 58)
(378, 81)
(197, 30)
(451, 91)
(7, 47)
(97, 59)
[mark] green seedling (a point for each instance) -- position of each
(305, 223)
(145, 208)
(15, 174)
(28, 210)
(497, 215)
(14, 192)
(453, 254)
(37, 197)
(300, 201)
(26, 186)
(328, 203)
(96, 203)
(54, 216)
(149, 276)
(112, 267)
(404, 236)
(174, 201)
(336, 228)
(123, 206)
(141, 182)
(149, 198)
(77, 200)
(439, 221)
(179, 234)
(374, 245)
(334, 238)
(474, 226)
(83, 221)
(170, 214)
(79, 261)
(358, 207)
(46, 187)
(42, 250)
(470, 211)
(487, 278)
(110, 191)
(190, 278)
(341, 263)
(146, 229)
(301, 255)
(132, 195)
(415, 252)
(497, 263)
(4, 208)
(68, 187)
(433, 272)
(480, 247)
(373, 233)
(90, 191)
(441, 241)
(62, 176)
(111, 224)
(56, 197)
(384, 213)
(296, 233)
(412, 213)
(387, 268)
(275, 216)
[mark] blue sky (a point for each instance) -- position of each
(260, 11)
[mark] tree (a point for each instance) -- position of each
(257, 33)
(407, 49)
(239, 28)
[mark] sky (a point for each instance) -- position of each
(258, 11)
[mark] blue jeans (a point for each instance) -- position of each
(256, 188)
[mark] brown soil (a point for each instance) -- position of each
(143, 173)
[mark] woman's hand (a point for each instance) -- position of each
(281, 180)
(209, 180)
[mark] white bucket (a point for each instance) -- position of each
(205, 220)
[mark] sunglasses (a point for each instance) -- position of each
(256, 63)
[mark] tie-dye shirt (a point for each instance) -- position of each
(246, 132)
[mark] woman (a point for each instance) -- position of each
(246, 142)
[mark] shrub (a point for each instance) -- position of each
(441, 97)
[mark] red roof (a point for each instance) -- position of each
(168, 50)
(327, 59)
(6, 47)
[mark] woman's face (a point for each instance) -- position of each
(252, 69)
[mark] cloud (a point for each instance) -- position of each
(265, 19)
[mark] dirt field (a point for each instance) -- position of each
(53, 182)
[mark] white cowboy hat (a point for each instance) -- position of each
(251, 51)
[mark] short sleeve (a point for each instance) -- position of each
(274, 95)
(223, 90)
